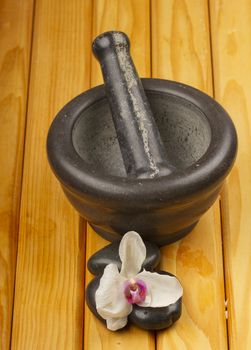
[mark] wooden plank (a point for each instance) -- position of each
(181, 51)
(132, 17)
(48, 311)
(231, 32)
(15, 43)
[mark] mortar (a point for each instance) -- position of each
(84, 151)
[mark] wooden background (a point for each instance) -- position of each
(45, 60)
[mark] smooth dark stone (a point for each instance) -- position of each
(110, 254)
(144, 317)
(156, 318)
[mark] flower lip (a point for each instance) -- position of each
(135, 291)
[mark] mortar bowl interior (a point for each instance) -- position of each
(184, 130)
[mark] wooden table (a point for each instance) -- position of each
(45, 60)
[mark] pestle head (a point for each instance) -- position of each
(140, 143)
(106, 41)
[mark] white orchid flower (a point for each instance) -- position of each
(118, 291)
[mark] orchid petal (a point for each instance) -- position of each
(110, 301)
(162, 290)
(132, 252)
(116, 323)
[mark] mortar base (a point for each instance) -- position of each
(159, 240)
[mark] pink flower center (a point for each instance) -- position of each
(135, 291)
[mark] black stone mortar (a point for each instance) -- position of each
(197, 141)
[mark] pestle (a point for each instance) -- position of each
(140, 143)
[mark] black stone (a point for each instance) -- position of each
(110, 254)
(150, 318)
(156, 318)
(144, 317)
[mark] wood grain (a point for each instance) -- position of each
(181, 51)
(15, 43)
(48, 310)
(132, 17)
(231, 32)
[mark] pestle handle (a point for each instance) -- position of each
(141, 146)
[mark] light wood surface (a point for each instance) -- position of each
(231, 32)
(203, 43)
(15, 43)
(48, 311)
(181, 51)
(132, 17)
